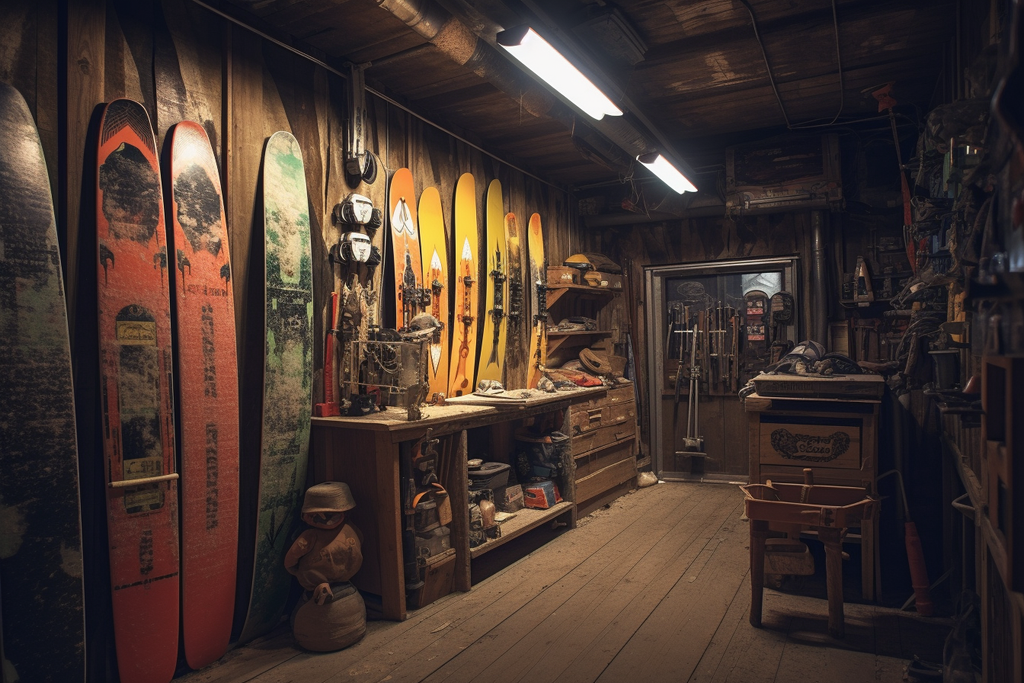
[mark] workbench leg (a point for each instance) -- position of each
(758, 534)
(869, 579)
(389, 521)
(832, 538)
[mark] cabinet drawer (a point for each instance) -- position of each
(604, 479)
(597, 460)
(621, 412)
(612, 397)
(591, 439)
(822, 475)
(811, 443)
(585, 420)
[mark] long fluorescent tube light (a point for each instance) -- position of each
(538, 56)
(669, 174)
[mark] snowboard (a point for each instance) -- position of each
(435, 279)
(467, 288)
(135, 389)
(495, 260)
(287, 379)
(516, 327)
(405, 248)
(43, 621)
(538, 302)
(207, 375)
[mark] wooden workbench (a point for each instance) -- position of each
(364, 453)
(837, 438)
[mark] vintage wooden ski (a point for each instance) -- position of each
(434, 253)
(207, 396)
(467, 287)
(135, 386)
(410, 297)
(516, 328)
(495, 260)
(287, 379)
(538, 301)
(43, 622)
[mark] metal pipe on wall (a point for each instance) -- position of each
(819, 317)
(460, 44)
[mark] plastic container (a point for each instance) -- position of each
(491, 475)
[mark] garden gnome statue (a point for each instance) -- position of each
(323, 558)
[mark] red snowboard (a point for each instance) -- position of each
(135, 395)
(207, 397)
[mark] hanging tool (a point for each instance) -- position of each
(915, 554)
(692, 442)
(679, 368)
(329, 408)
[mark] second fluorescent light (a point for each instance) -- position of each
(538, 56)
(669, 174)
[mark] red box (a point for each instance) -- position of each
(541, 494)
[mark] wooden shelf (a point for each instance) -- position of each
(556, 293)
(525, 520)
(557, 340)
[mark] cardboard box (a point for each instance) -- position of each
(509, 498)
(596, 278)
(562, 275)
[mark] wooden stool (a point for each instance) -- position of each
(827, 509)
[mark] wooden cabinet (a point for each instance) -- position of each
(1002, 518)
(366, 453)
(566, 300)
(837, 438)
(603, 433)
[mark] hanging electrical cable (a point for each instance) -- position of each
(771, 79)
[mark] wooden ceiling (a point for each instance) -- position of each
(701, 84)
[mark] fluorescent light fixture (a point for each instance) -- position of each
(661, 167)
(547, 63)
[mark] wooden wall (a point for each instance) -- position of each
(184, 62)
(689, 241)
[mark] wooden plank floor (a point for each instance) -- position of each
(653, 588)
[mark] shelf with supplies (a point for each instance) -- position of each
(523, 521)
(557, 292)
(557, 340)
(568, 299)
(367, 452)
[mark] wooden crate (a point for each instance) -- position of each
(438, 580)
(811, 445)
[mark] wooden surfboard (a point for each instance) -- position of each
(287, 379)
(43, 622)
(517, 328)
(434, 253)
(495, 259)
(467, 288)
(538, 302)
(405, 248)
(207, 375)
(135, 385)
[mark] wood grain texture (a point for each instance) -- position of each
(691, 240)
